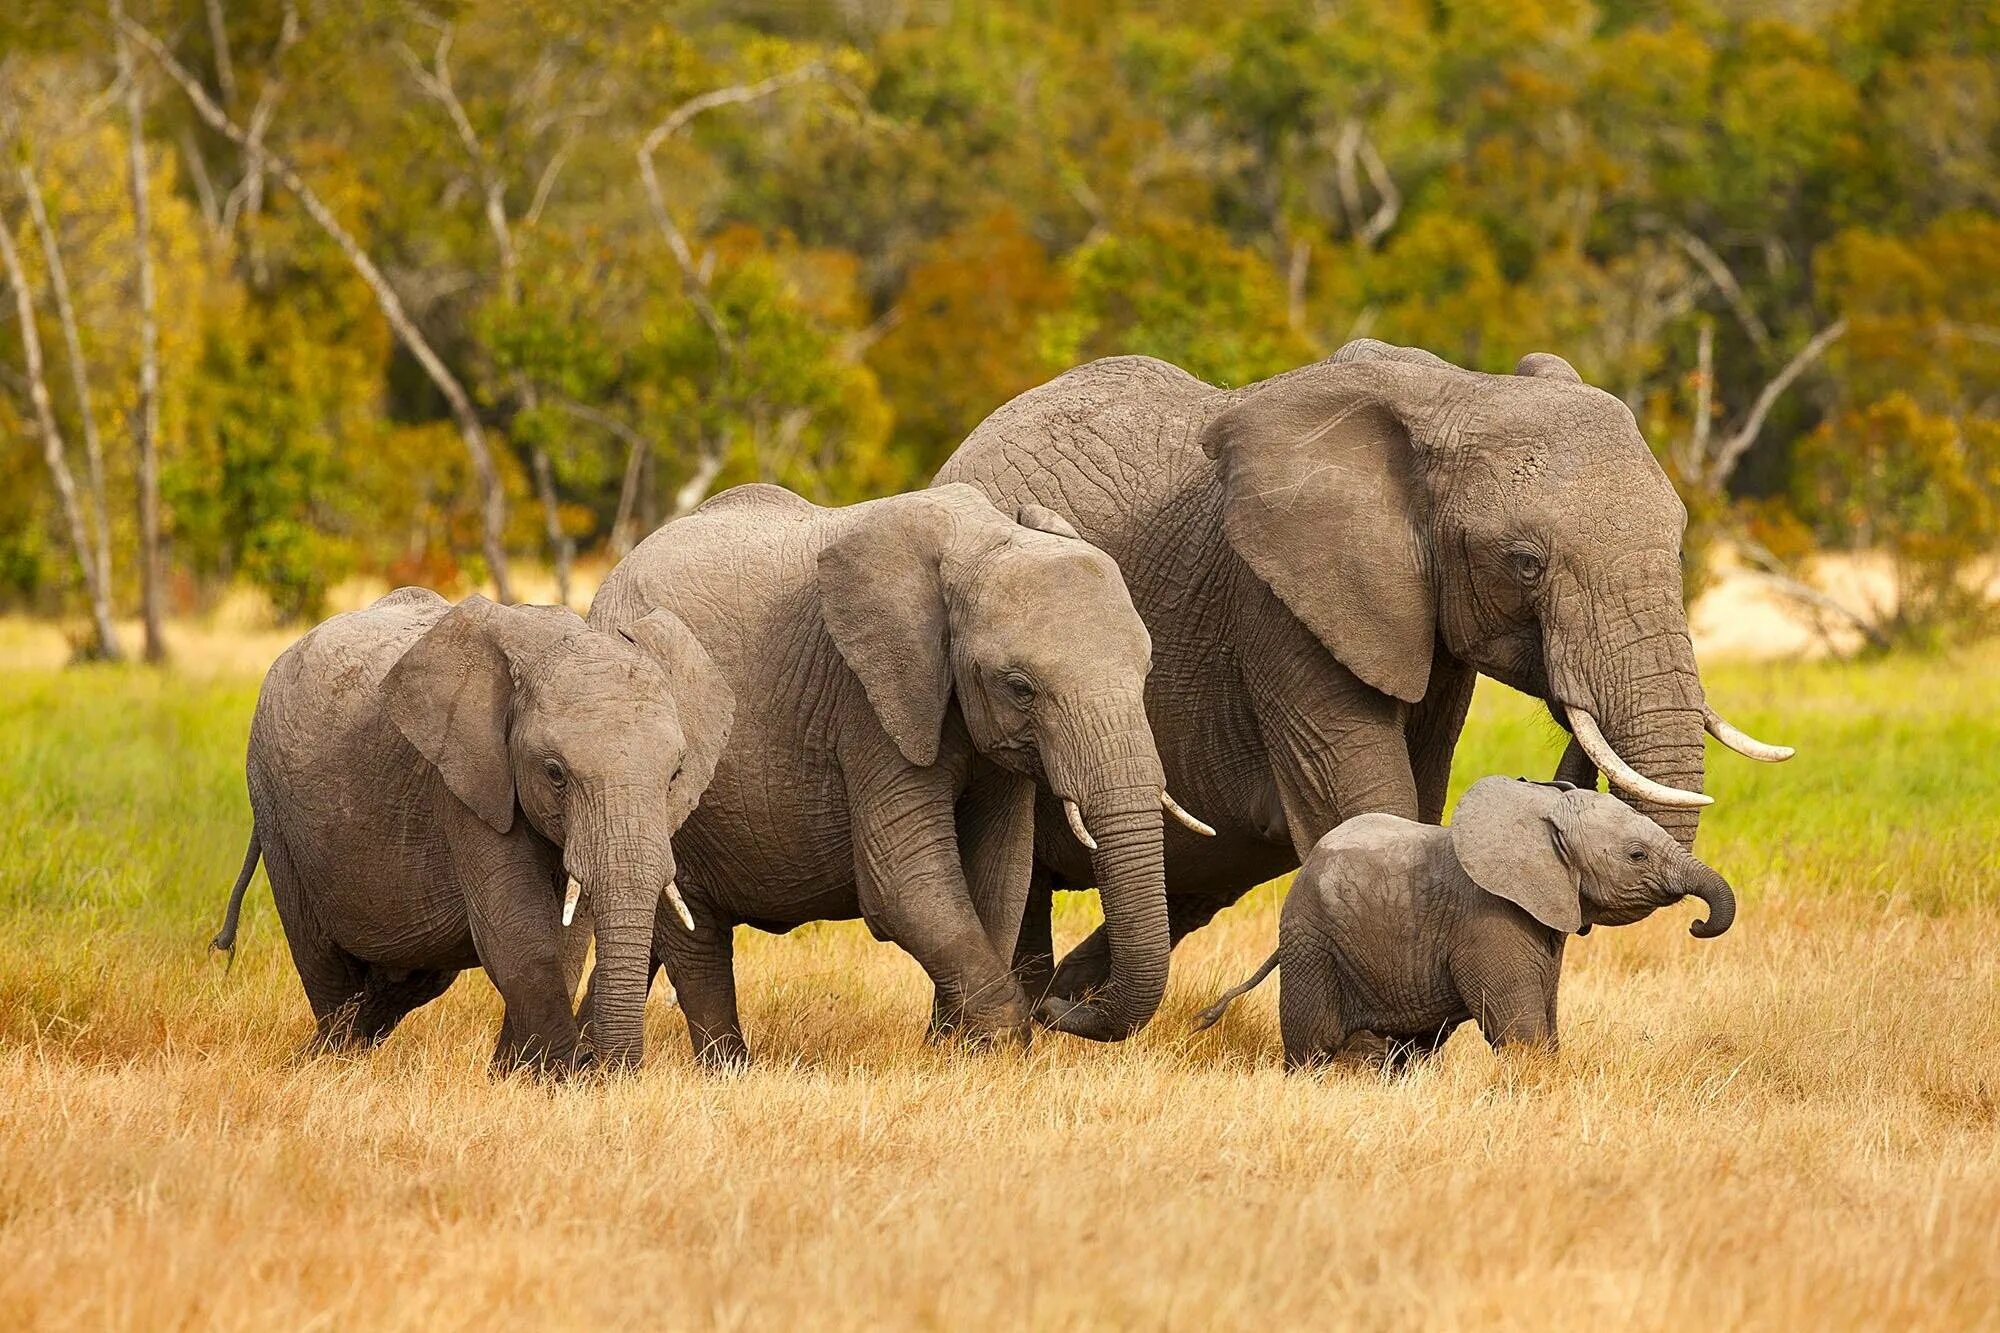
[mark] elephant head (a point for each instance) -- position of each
(603, 742)
(1573, 858)
(1395, 503)
(936, 597)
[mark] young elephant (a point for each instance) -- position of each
(910, 668)
(425, 778)
(1396, 932)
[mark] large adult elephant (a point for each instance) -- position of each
(1326, 561)
(907, 671)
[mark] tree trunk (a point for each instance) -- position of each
(86, 415)
(146, 413)
(52, 449)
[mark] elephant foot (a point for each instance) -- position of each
(539, 1062)
(725, 1053)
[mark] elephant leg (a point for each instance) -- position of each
(1035, 949)
(332, 977)
(1309, 1018)
(512, 909)
(390, 996)
(913, 891)
(701, 966)
(1088, 966)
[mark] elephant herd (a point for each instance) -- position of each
(1141, 633)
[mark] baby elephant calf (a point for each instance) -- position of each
(1396, 932)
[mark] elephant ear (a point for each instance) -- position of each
(451, 694)
(1505, 834)
(881, 590)
(1547, 366)
(1043, 519)
(1323, 499)
(703, 701)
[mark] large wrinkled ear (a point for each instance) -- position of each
(702, 698)
(1043, 519)
(881, 591)
(451, 695)
(1323, 499)
(1547, 366)
(1506, 836)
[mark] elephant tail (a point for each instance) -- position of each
(1210, 1016)
(225, 939)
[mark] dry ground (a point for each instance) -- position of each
(1797, 1125)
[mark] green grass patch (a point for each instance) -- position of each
(123, 814)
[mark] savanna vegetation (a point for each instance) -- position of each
(1797, 1125)
(429, 289)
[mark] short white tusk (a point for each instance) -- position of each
(570, 895)
(680, 904)
(1173, 808)
(1075, 817)
(1741, 741)
(1621, 774)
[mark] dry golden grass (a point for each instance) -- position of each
(1797, 1125)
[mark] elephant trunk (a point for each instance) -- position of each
(624, 876)
(1643, 699)
(1119, 802)
(1709, 886)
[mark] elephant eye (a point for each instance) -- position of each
(1019, 686)
(1527, 566)
(1637, 853)
(557, 778)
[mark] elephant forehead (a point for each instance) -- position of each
(584, 675)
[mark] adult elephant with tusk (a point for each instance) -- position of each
(426, 778)
(911, 671)
(1327, 560)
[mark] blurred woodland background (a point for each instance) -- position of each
(430, 291)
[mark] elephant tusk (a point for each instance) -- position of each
(1076, 825)
(1621, 774)
(680, 904)
(1741, 741)
(1173, 808)
(570, 895)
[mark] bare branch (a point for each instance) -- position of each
(437, 84)
(1355, 149)
(1772, 572)
(218, 38)
(637, 446)
(52, 447)
(1297, 270)
(93, 449)
(545, 185)
(1725, 282)
(677, 120)
(1732, 450)
(204, 184)
(688, 498)
(1391, 199)
(493, 499)
(247, 198)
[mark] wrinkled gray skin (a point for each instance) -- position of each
(1326, 560)
(1396, 932)
(908, 669)
(426, 778)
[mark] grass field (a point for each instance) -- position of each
(1797, 1125)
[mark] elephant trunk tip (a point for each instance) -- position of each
(1714, 890)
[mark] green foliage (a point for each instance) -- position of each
(950, 204)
